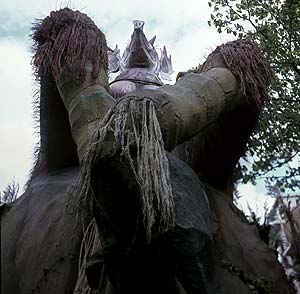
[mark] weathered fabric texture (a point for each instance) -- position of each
(31, 228)
(195, 101)
(87, 102)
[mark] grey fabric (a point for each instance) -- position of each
(39, 246)
(31, 228)
(191, 204)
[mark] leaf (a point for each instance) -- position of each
(275, 26)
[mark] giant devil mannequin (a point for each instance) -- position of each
(150, 208)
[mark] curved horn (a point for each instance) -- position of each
(152, 40)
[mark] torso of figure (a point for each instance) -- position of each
(134, 79)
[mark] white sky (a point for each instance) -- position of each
(180, 25)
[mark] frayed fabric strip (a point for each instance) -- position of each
(137, 138)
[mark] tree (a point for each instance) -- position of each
(275, 26)
(10, 193)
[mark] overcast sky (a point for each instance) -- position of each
(180, 25)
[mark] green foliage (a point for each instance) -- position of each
(256, 285)
(259, 285)
(275, 26)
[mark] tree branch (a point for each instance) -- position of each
(287, 100)
(280, 164)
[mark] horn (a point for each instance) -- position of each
(152, 40)
(165, 51)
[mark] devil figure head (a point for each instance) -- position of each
(140, 65)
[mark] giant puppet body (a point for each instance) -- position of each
(138, 212)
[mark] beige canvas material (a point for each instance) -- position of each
(183, 110)
(86, 102)
(195, 101)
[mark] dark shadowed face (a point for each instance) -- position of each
(140, 52)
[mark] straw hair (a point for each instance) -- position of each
(65, 38)
(249, 66)
(89, 245)
(138, 140)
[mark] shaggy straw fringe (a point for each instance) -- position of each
(89, 245)
(249, 66)
(135, 127)
(65, 38)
